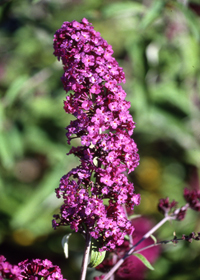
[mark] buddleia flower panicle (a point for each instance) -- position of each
(30, 269)
(104, 125)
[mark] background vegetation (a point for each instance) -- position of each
(157, 44)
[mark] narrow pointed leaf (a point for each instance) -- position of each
(144, 261)
(154, 238)
(134, 216)
(65, 246)
(153, 13)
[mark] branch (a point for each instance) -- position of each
(85, 257)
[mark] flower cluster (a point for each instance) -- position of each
(169, 208)
(104, 126)
(8, 271)
(193, 198)
(34, 269)
(132, 268)
(164, 206)
(191, 236)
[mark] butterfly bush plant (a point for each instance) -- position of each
(96, 194)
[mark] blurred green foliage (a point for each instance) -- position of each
(157, 44)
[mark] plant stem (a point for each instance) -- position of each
(132, 249)
(130, 236)
(85, 257)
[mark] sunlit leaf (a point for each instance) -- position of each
(96, 257)
(144, 261)
(154, 238)
(134, 216)
(65, 241)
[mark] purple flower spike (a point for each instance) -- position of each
(34, 269)
(104, 126)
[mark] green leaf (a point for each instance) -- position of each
(6, 155)
(154, 238)
(15, 88)
(126, 237)
(96, 257)
(122, 9)
(134, 216)
(65, 246)
(144, 261)
(153, 13)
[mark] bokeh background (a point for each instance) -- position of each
(157, 44)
